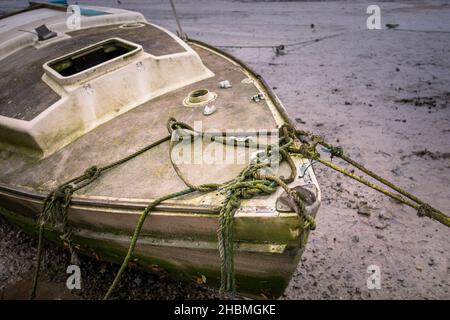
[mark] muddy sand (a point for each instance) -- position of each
(383, 95)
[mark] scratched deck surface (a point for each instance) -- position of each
(151, 174)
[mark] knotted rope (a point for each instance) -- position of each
(55, 213)
(308, 149)
(256, 179)
(249, 183)
(56, 205)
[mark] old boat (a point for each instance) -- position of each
(74, 98)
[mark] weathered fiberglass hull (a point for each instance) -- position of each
(92, 118)
(169, 245)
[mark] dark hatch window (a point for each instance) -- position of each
(90, 57)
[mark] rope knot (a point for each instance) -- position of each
(309, 223)
(424, 210)
(336, 151)
(173, 124)
(286, 131)
(58, 194)
(309, 151)
(92, 172)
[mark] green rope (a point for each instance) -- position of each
(249, 183)
(136, 233)
(56, 207)
(38, 263)
(245, 187)
(252, 181)
(308, 150)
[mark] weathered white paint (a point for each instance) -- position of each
(98, 94)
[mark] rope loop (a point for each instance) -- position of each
(309, 221)
(173, 124)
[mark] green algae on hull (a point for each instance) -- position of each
(254, 284)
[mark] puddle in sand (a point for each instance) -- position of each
(47, 290)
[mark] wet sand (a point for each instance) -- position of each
(383, 95)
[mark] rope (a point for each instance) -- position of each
(256, 179)
(137, 230)
(182, 35)
(338, 151)
(282, 46)
(422, 209)
(249, 183)
(425, 31)
(308, 150)
(56, 205)
(38, 263)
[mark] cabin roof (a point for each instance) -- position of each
(24, 95)
(55, 89)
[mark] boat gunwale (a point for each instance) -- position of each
(109, 202)
(33, 5)
(273, 97)
(136, 205)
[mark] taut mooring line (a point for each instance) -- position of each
(181, 34)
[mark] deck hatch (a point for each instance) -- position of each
(90, 57)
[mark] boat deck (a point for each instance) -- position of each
(151, 174)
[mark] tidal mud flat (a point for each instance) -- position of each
(382, 95)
